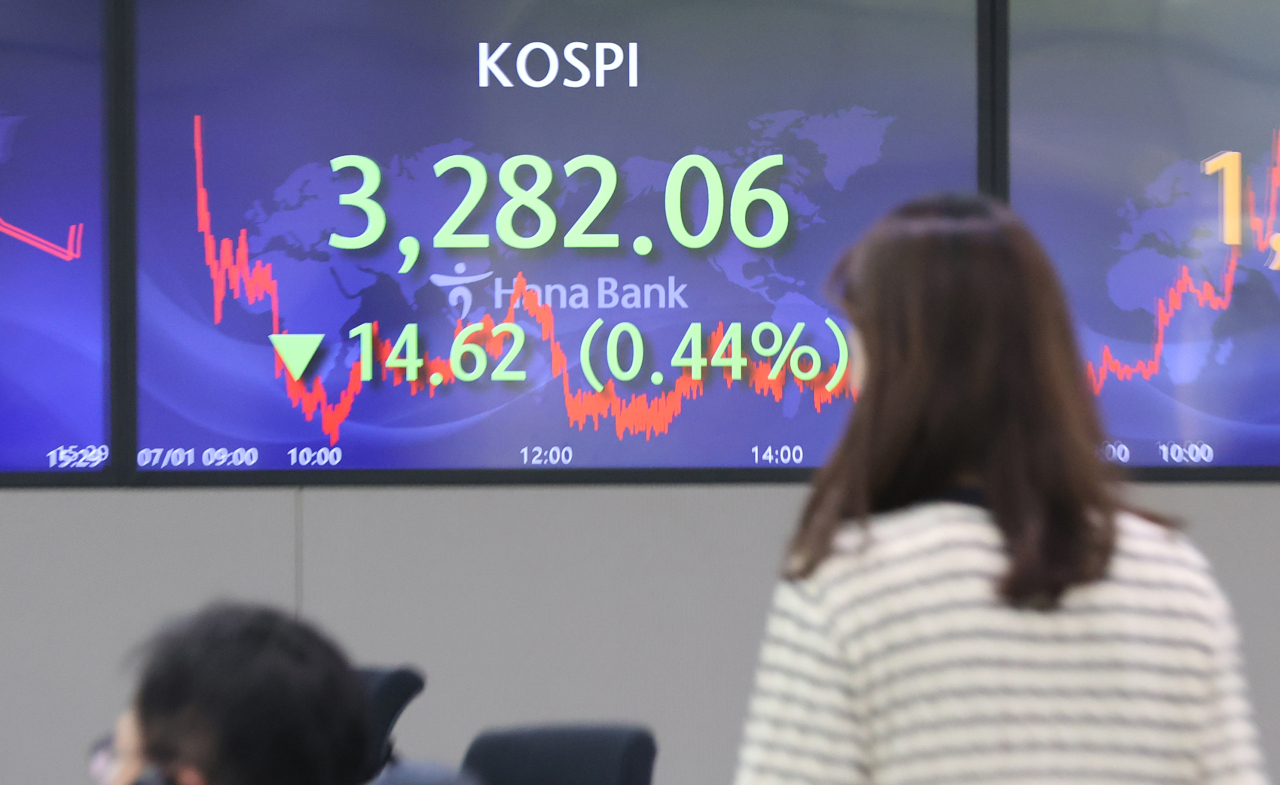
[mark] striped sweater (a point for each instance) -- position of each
(896, 663)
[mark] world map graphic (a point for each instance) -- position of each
(327, 291)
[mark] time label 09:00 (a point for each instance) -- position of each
(177, 457)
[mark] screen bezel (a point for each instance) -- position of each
(992, 54)
(117, 62)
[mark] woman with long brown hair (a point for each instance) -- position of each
(966, 599)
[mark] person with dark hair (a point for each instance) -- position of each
(966, 598)
(244, 695)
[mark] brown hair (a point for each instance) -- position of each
(973, 379)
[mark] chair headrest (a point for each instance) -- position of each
(563, 755)
(390, 690)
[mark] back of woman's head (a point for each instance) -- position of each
(972, 379)
(248, 695)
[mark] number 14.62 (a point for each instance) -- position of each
(405, 357)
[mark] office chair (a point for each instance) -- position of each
(390, 690)
(563, 755)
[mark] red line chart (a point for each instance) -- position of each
(231, 273)
(1185, 289)
(75, 240)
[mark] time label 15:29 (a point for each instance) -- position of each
(76, 457)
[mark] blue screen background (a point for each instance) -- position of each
(1112, 114)
(53, 386)
(870, 104)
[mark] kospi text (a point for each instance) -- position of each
(546, 63)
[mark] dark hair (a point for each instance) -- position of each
(250, 696)
(973, 378)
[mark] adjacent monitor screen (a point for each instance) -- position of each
(1146, 155)
(53, 378)
(520, 235)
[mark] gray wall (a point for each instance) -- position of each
(524, 605)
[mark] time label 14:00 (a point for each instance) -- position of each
(744, 195)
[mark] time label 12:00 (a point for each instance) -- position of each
(744, 195)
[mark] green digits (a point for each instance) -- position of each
(637, 351)
(530, 198)
(448, 236)
(461, 349)
(375, 215)
(744, 195)
(404, 355)
(577, 236)
(675, 201)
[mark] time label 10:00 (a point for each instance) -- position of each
(740, 201)
(1170, 452)
(1185, 452)
(325, 456)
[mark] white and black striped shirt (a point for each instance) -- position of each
(897, 663)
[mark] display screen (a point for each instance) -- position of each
(520, 235)
(53, 383)
(1146, 155)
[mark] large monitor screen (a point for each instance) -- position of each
(1146, 155)
(53, 380)
(520, 235)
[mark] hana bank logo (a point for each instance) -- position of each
(459, 295)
